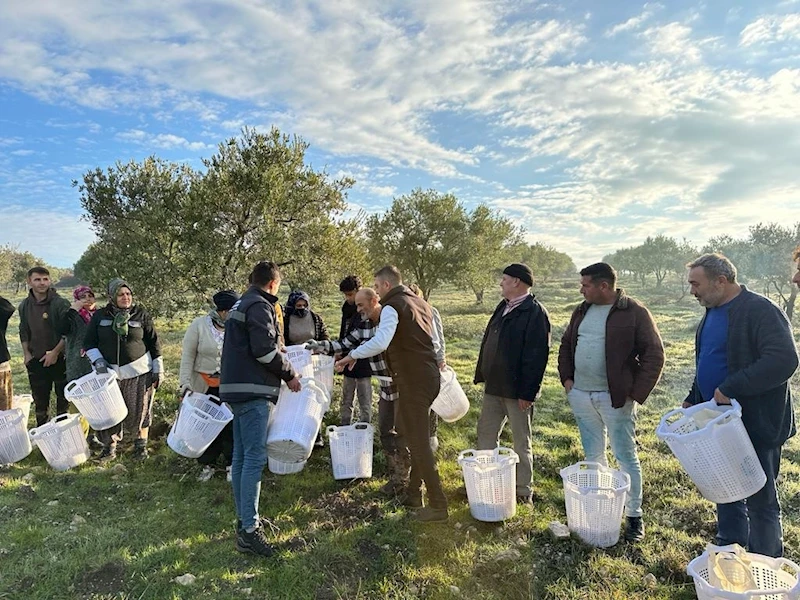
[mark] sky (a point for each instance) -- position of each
(590, 124)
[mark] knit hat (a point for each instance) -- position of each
(225, 299)
(520, 271)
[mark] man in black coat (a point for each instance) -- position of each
(6, 390)
(511, 364)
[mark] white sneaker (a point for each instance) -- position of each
(206, 474)
(228, 474)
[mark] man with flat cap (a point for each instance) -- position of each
(511, 364)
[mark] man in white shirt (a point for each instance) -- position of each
(405, 334)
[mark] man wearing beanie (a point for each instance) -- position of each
(511, 364)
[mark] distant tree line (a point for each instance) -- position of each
(763, 259)
(14, 265)
(178, 234)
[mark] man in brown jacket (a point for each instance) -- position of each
(611, 357)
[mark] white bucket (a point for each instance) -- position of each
(23, 402)
(323, 372)
(98, 398)
(199, 422)
(295, 422)
(301, 360)
(490, 477)
(62, 442)
(595, 497)
(351, 450)
(451, 404)
(14, 441)
(717, 454)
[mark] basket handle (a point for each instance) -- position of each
(330, 429)
(466, 455)
(71, 385)
(361, 426)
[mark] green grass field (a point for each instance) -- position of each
(95, 532)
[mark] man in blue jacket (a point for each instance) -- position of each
(745, 350)
(252, 370)
(511, 364)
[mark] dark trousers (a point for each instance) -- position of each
(43, 380)
(412, 421)
(755, 522)
(222, 445)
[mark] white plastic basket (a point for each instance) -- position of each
(14, 441)
(595, 497)
(23, 402)
(323, 372)
(280, 467)
(98, 398)
(490, 477)
(776, 579)
(301, 360)
(351, 450)
(719, 456)
(62, 442)
(199, 422)
(295, 422)
(451, 404)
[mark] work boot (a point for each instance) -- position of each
(140, 450)
(411, 498)
(254, 542)
(634, 529)
(429, 514)
(108, 454)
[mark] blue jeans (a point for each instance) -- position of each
(249, 456)
(755, 522)
(595, 416)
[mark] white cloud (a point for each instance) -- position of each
(636, 22)
(771, 29)
(22, 152)
(160, 140)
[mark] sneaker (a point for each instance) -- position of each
(108, 454)
(94, 443)
(229, 474)
(430, 514)
(634, 529)
(140, 453)
(206, 474)
(254, 543)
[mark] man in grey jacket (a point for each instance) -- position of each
(745, 350)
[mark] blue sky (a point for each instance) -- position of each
(591, 124)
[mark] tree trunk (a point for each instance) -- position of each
(478, 296)
(789, 307)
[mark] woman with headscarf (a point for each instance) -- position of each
(301, 324)
(73, 328)
(200, 370)
(121, 336)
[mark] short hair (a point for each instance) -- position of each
(796, 254)
(368, 292)
(600, 272)
(715, 265)
(391, 274)
(416, 289)
(264, 272)
(351, 283)
(38, 270)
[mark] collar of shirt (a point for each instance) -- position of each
(514, 303)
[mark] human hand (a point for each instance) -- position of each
(100, 366)
(50, 357)
(159, 379)
(442, 365)
(294, 384)
(721, 398)
(568, 383)
(318, 347)
(524, 404)
(686, 405)
(346, 362)
(77, 305)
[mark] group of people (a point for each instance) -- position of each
(610, 359)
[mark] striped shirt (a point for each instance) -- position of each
(361, 334)
(514, 303)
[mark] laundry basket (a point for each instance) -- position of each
(14, 441)
(595, 496)
(490, 477)
(301, 360)
(199, 422)
(280, 467)
(323, 372)
(451, 404)
(98, 398)
(717, 454)
(351, 450)
(23, 402)
(62, 442)
(295, 423)
(776, 578)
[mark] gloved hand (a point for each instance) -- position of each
(182, 391)
(101, 366)
(159, 379)
(322, 347)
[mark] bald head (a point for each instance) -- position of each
(367, 304)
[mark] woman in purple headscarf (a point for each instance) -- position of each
(73, 328)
